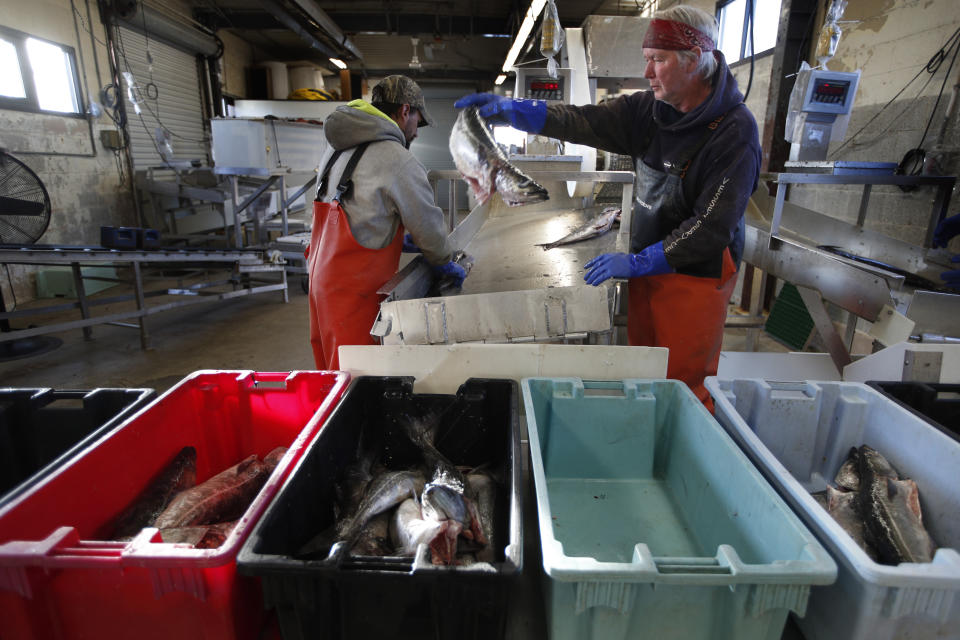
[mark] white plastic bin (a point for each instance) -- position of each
(798, 434)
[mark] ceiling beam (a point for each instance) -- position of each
(325, 22)
(422, 23)
(293, 25)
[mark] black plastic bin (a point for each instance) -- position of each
(40, 429)
(937, 403)
(347, 597)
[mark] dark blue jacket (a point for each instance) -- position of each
(720, 179)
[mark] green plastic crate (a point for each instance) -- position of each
(57, 282)
(789, 321)
(653, 524)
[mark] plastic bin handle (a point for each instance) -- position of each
(694, 566)
(269, 379)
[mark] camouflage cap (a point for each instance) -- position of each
(402, 90)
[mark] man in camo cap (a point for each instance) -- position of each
(390, 194)
(392, 93)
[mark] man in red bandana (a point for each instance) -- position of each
(696, 154)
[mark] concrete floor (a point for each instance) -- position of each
(258, 333)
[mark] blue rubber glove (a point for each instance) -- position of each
(526, 115)
(947, 228)
(649, 262)
(451, 270)
(409, 246)
(952, 278)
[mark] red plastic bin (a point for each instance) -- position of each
(58, 580)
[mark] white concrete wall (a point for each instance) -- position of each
(80, 175)
(890, 41)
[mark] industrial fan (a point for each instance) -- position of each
(24, 216)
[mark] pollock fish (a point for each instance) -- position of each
(484, 491)
(485, 166)
(891, 510)
(593, 228)
(842, 507)
(382, 494)
(178, 475)
(408, 528)
(223, 497)
(848, 477)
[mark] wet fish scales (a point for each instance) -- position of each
(890, 508)
(848, 477)
(483, 488)
(178, 475)
(844, 508)
(484, 165)
(408, 528)
(223, 497)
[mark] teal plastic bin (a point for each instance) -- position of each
(653, 524)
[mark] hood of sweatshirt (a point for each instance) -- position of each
(357, 122)
(724, 96)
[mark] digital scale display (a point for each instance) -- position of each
(830, 91)
(544, 88)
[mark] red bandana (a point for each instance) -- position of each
(676, 36)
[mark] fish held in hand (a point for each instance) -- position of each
(593, 228)
(223, 497)
(485, 166)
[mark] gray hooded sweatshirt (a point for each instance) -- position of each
(389, 184)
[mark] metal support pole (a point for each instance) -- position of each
(940, 205)
(864, 201)
(237, 230)
(758, 286)
(851, 331)
(81, 298)
(823, 323)
(777, 213)
(283, 206)
(141, 306)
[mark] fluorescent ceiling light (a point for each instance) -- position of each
(339, 63)
(500, 78)
(536, 6)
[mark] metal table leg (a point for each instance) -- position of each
(237, 230)
(81, 298)
(141, 306)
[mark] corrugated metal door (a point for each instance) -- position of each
(175, 102)
(432, 146)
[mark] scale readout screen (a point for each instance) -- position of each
(826, 91)
(544, 88)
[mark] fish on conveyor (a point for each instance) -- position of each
(178, 475)
(223, 497)
(485, 166)
(382, 494)
(891, 511)
(593, 228)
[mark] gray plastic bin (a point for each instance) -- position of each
(798, 434)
